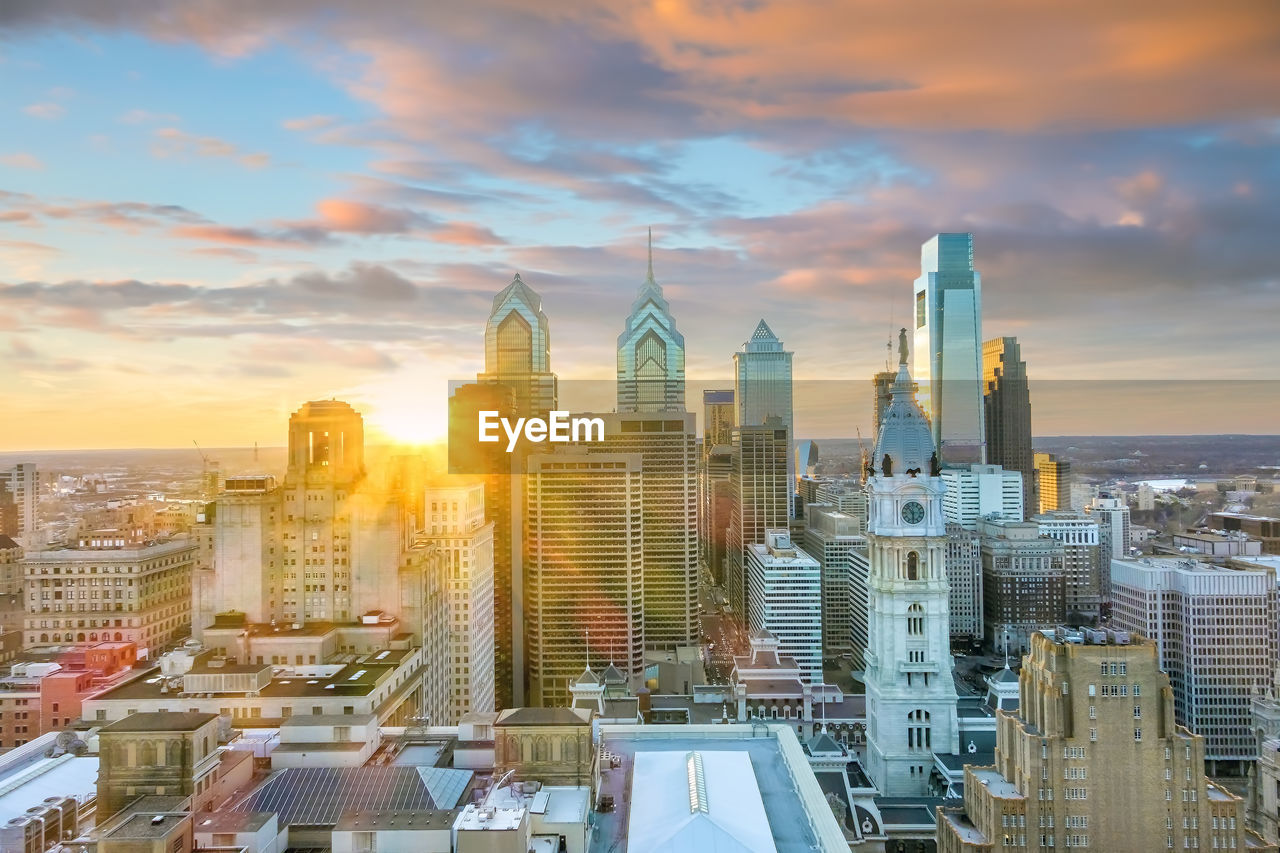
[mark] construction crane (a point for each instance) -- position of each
(206, 488)
(862, 452)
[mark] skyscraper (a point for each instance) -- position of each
(585, 567)
(517, 349)
(1114, 513)
(786, 600)
(718, 416)
(1215, 629)
(1093, 759)
(911, 692)
(762, 388)
(759, 490)
(1024, 585)
(1053, 482)
(666, 445)
(650, 353)
(1082, 561)
(882, 396)
(835, 540)
(948, 347)
(454, 521)
(1007, 413)
(325, 546)
(980, 491)
(502, 493)
(23, 485)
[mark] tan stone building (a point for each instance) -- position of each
(165, 753)
(109, 588)
(550, 745)
(1093, 760)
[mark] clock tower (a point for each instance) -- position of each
(911, 694)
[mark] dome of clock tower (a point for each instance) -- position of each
(905, 437)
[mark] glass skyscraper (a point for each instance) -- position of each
(650, 353)
(947, 356)
(762, 388)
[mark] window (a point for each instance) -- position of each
(913, 566)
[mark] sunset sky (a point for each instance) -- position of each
(214, 212)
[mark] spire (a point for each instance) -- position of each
(650, 278)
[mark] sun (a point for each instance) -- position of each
(405, 408)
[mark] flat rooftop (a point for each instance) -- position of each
(787, 819)
(988, 778)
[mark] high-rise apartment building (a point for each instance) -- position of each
(1093, 759)
(1023, 582)
(1053, 482)
(1113, 513)
(109, 588)
(785, 599)
(1007, 413)
(650, 353)
(981, 491)
(911, 692)
(8, 512)
(964, 576)
(584, 567)
(837, 542)
(759, 489)
(23, 484)
(948, 347)
(666, 444)
(455, 522)
(762, 389)
(1081, 562)
(517, 349)
(1215, 629)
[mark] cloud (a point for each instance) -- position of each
(174, 142)
(140, 116)
(22, 160)
(309, 123)
(355, 217)
(466, 234)
(46, 110)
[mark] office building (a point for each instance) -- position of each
(1087, 588)
(109, 588)
(8, 512)
(1053, 482)
(948, 347)
(584, 567)
(1023, 582)
(785, 599)
(1093, 759)
(762, 389)
(23, 484)
(517, 349)
(1082, 494)
(837, 542)
(1215, 629)
(716, 499)
(719, 417)
(666, 445)
(759, 489)
(845, 496)
(650, 353)
(964, 576)
(456, 524)
(502, 493)
(981, 491)
(1007, 413)
(325, 545)
(911, 692)
(1113, 513)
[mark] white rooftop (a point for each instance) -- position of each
(64, 776)
(704, 800)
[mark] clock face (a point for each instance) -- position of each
(912, 512)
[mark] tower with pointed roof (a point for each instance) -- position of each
(517, 349)
(650, 353)
(911, 694)
(762, 388)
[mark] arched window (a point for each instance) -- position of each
(913, 566)
(44, 638)
(915, 620)
(919, 730)
(119, 636)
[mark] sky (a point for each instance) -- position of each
(213, 211)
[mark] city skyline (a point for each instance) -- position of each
(283, 216)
